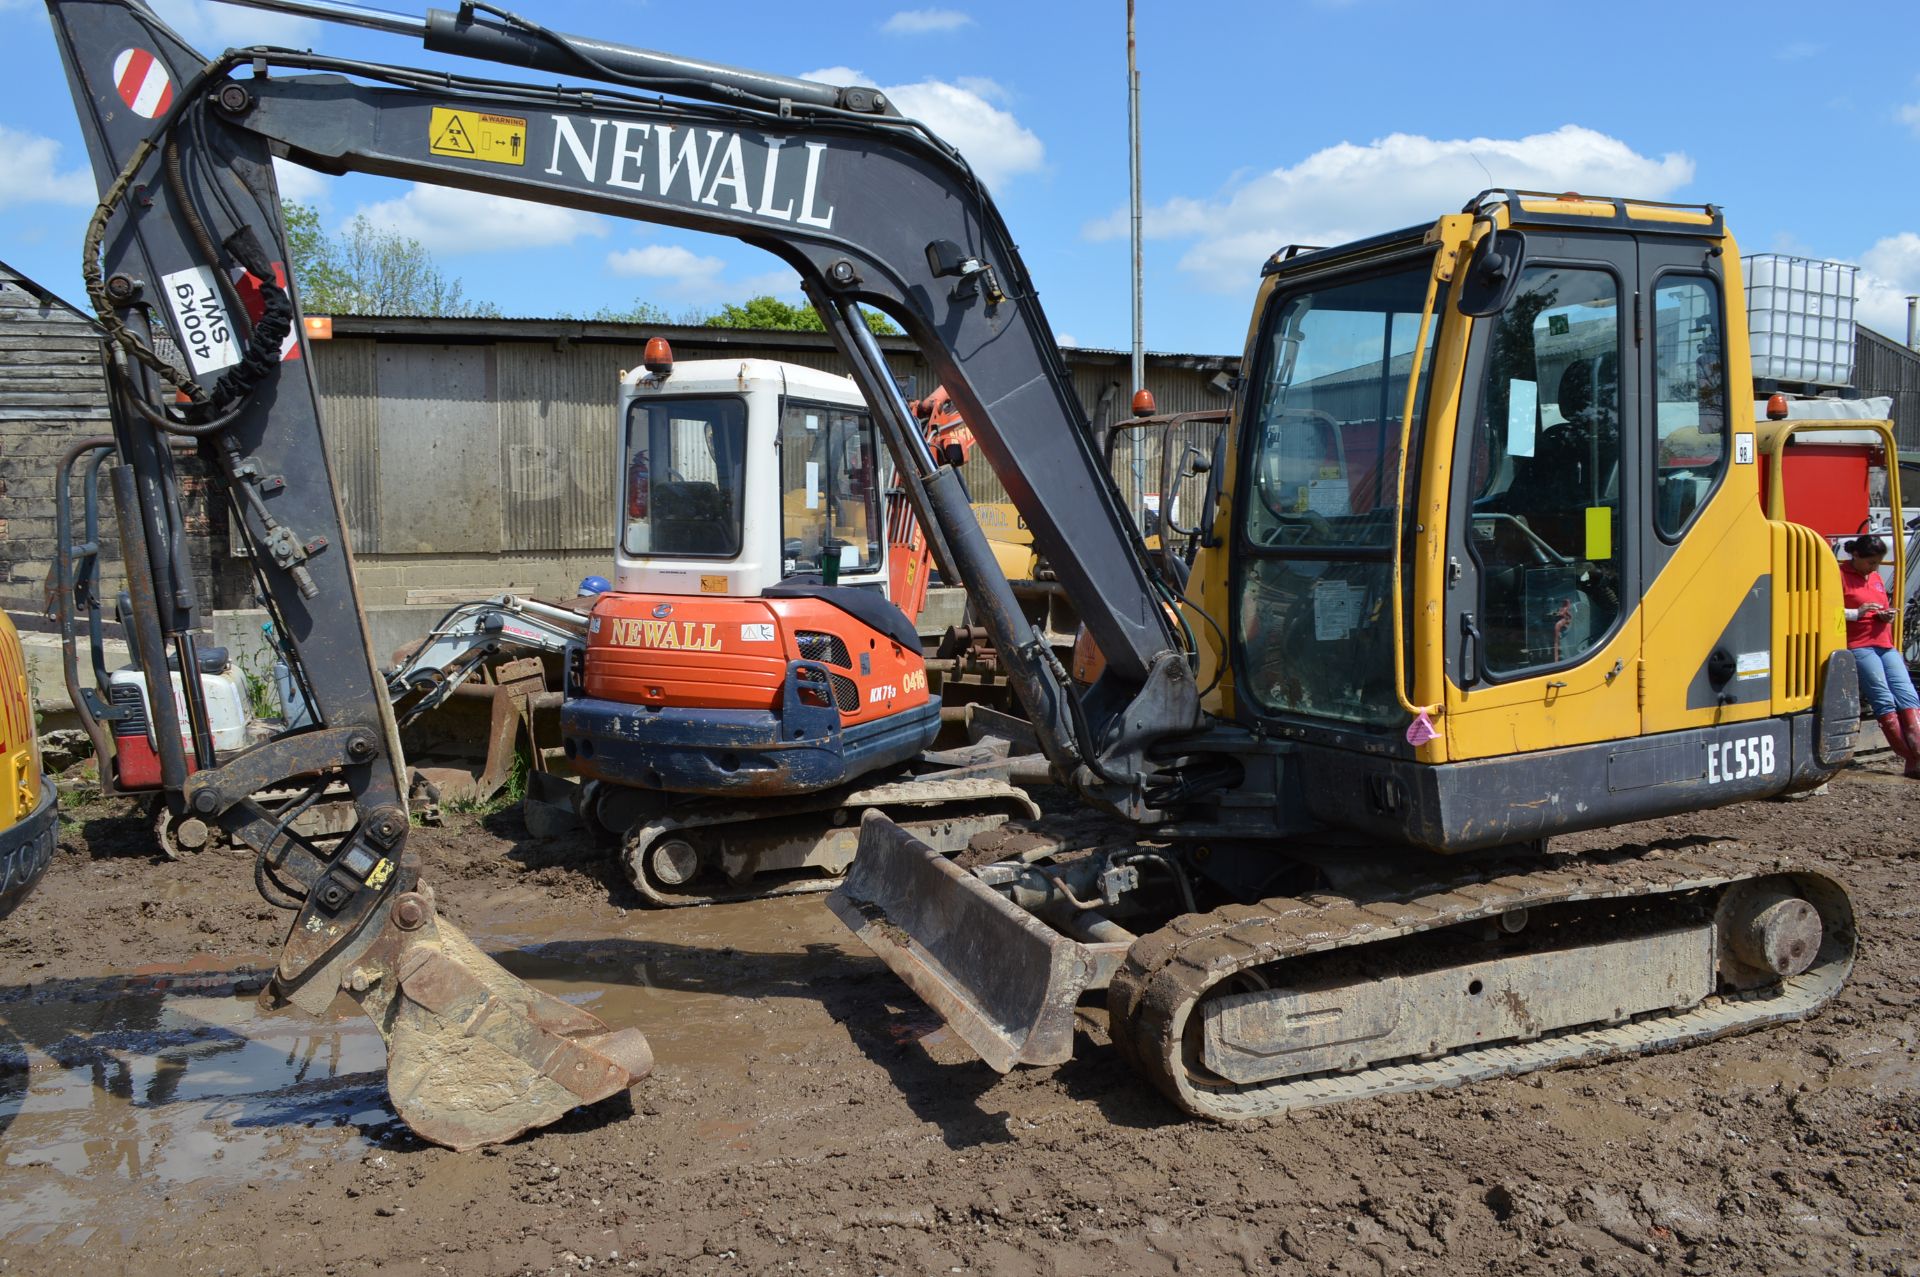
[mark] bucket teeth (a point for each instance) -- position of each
(475, 1055)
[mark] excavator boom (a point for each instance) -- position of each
(188, 243)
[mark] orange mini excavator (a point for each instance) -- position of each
(748, 689)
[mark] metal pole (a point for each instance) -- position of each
(343, 12)
(1139, 332)
(1913, 323)
(472, 35)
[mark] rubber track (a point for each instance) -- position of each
(911, 803)
(1167, 972)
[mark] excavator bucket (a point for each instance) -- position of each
(475, 1055)
(1005, 981)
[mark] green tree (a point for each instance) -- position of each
(367, 271)
(646, 312)
(773, 314)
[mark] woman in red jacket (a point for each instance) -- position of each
(1885, 684)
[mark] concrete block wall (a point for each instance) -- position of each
(52, 395)
(30, 452)
(427, 580)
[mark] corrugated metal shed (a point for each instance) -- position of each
(1882, 366)
(532, 466)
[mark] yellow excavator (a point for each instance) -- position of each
(1445, 596)
(29, 807)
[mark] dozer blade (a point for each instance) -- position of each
(475, 1055)
(1005, 981)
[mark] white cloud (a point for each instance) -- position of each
(666, 261)
(925, 21)
(1065, 339)
(34, 175)
(963, 113)
(300, 185)
(454, 221)
(1895, 257)
(684, 275)
(1889, 274)
(1910, 116)
(1350, 190)
(214, 26)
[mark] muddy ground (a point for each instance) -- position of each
(808, 1115)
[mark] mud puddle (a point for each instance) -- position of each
(129, 1093)
(112, 1106)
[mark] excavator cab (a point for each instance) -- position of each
(739, 475)
(1534, 529)
(748, 648)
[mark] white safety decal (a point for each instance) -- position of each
(143, 83)
(756, 634)
(200, 322)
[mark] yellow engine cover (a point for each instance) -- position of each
(19, 742)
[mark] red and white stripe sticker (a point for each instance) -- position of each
(143, 83)
(249, 290)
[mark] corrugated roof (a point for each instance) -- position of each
(532, 328)
(44, 295)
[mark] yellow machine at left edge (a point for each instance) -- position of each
(29, 820)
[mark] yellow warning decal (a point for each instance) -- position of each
(476, 135)
(713, 584)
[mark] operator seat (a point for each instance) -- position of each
(1576, 463)
(691, 517)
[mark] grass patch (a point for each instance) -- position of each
(510, 793)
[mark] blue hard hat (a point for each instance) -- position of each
(594, 585)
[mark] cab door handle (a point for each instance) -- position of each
(1469, 650)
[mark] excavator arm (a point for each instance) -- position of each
(868, 208)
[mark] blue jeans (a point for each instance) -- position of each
(1885, 684)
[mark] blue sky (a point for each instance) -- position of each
(1264, 123)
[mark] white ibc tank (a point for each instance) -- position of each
(1800, 317)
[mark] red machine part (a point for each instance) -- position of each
(136, 763)
(910, 558)
(1826, 486)
(689, 652)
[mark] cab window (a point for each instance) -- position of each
(685, 472)
(1545, 478)
(830, 489)
(1324, 424)
(1690, 399)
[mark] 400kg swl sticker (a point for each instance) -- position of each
(200, 320)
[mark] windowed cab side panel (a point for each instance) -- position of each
(766, 504)
(1720, 673)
